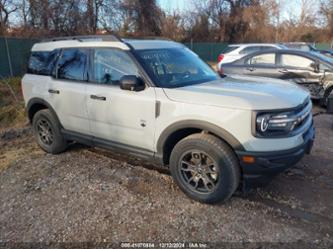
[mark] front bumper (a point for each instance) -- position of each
(268, 164)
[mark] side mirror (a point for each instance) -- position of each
(132, 83)
(316, 67)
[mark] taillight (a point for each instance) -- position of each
(220, 58)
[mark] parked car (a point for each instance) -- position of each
(307, 47)
(234, 52)
(158, 100)
(309, 69)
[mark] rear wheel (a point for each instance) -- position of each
(47, 132)
(205, 168)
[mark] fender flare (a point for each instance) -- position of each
(40, 101)
(197, 124)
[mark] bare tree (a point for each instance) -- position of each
(326, 9)
(7, 7)
(173, 26)
(143, 17)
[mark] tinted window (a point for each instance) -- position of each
(253, 49)
(263, 59)
(112, 64)
(229, 49)
(72, 64)
(290, 60)
(42, 63)
(249, 50)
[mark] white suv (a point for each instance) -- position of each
(234, 52)
(156, 99)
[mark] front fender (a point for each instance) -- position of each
(197, 124)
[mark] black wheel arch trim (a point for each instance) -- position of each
(197, 124)
(41, 101)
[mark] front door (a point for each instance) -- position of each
(124, 117)
(263, 65)
(301, 70)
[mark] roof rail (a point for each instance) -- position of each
(82, 38)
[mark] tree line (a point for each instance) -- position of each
(204, 20)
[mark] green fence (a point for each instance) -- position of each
(14, 53)
(324, 46)
(208, 51)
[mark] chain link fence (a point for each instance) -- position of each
(14, 53)
(208, 51)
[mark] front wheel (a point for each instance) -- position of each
(327, 94)
(205, 168)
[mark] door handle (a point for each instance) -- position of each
(283, 71)
(54, 91)
(98, 97)
(251, 69)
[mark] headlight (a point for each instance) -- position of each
(280, 124)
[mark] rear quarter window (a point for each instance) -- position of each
(42, 63)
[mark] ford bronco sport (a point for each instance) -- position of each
(156, 99)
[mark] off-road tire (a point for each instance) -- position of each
(225, 158)
(58, 144)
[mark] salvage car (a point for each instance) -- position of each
(311, 70)
(159, 101)
(234, 52)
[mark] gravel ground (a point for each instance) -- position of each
(88, 194)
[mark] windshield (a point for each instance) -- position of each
(175, 67)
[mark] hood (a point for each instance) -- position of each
(242, 92)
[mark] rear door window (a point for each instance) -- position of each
(253, 49)
(72, 64)
(42, 62)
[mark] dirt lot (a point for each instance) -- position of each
(88, 194)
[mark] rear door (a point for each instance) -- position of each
(67, 90)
